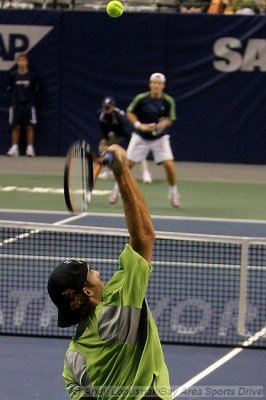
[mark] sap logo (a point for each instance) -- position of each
(15, 39)
(253, 57)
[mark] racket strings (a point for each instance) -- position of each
(80, 175)
(79, 189)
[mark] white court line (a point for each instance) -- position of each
(45, 190)
(70, 219)
(219, 363)
(35, 231)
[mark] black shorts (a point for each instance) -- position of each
(22, 114)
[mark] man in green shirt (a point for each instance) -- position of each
(152, 113)
(116, 351)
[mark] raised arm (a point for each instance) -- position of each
(136, 211)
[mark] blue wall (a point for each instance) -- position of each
(215, 67)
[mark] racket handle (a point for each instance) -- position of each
(108, 158)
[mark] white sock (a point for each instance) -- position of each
(116, 187)
(173, 189)
(14, 146)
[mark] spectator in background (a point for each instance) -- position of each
(152, 113)
(228, 7)
(216, 7)
(193, 6)
(23, 85)
(116, 129)
(245, 7)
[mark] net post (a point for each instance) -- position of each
(242, 305)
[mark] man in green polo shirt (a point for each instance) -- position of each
(116, 351)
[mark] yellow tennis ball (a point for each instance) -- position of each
(114, 8)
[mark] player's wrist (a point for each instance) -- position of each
(137, 125)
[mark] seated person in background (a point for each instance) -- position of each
(245, 7)
(193, 6)
(116, 129)
(216, 7)
(23, 85)
(228, 7)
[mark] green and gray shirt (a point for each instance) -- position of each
(151, 110)
(116, 352)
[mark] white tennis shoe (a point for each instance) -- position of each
(13, 151)
(114, 196)
(174, 200)
(146, 177)
(30, 151)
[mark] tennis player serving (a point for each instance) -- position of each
(116, 352)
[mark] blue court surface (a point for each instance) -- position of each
(31, 368)
(161, 223)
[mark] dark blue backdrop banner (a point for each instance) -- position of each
(215, 67)
(38, 34)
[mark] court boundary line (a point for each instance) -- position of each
(119, 215)
(36, 231)
(221, 361)
(124, 232)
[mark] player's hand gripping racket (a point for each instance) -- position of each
(80, 175)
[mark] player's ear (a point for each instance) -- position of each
(88, 292)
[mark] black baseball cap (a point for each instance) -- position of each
(70, 274)
(108, 102)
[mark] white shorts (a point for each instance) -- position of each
(138, 149)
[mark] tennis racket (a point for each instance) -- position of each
(80, 175)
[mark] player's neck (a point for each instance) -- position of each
(156, 95)
(22, 70)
